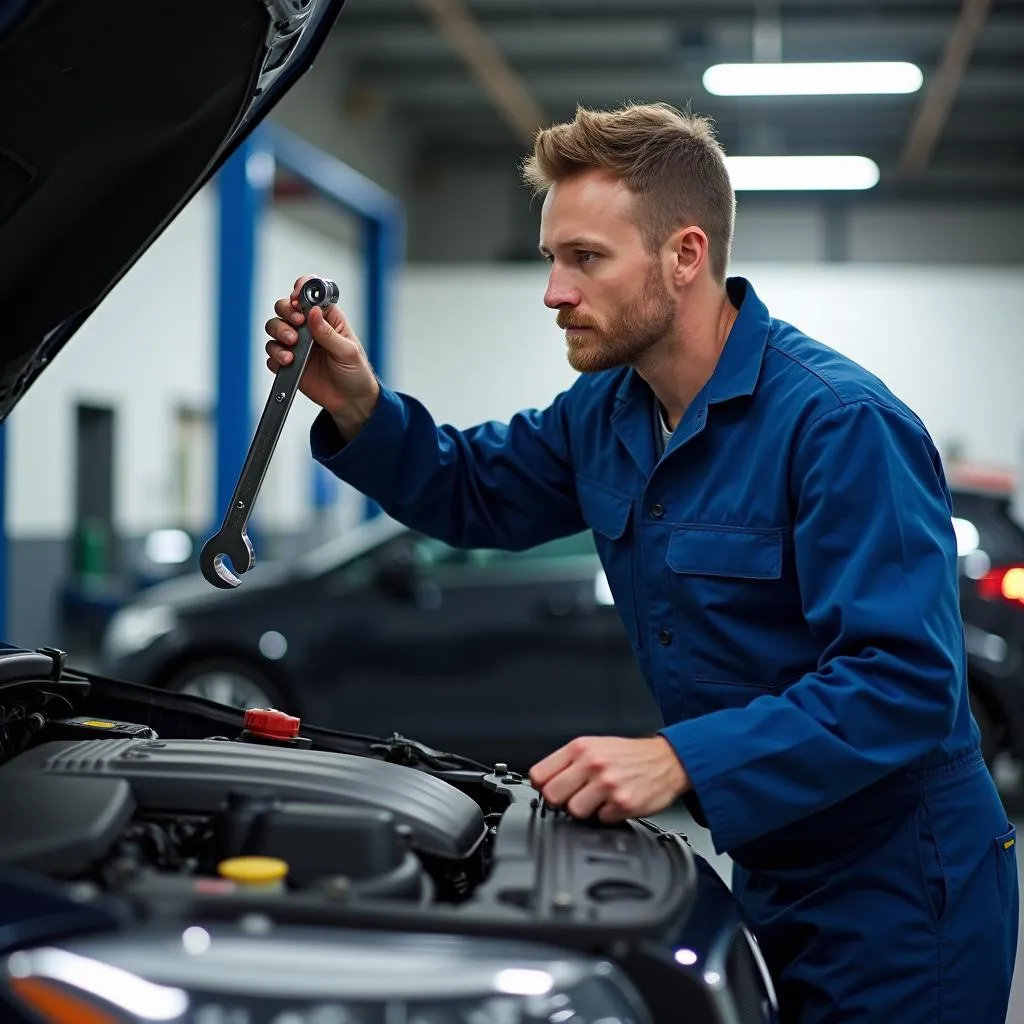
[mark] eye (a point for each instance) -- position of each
(586, 257)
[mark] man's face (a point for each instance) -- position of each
(608, 289)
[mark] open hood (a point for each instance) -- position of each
(111, 119)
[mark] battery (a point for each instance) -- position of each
(84, 727)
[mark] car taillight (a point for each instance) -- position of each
(1005, 583)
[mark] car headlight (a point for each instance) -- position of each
(135, 628)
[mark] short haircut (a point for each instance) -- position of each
(672, 162)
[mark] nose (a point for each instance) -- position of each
(559, 292)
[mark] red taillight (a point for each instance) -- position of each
(1003, 584)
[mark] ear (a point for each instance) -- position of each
(689, 251)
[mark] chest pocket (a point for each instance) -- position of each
(609, 514)
(727, 588)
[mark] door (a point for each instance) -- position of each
(95, 556)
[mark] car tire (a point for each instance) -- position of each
(229, 681)
(987, 728)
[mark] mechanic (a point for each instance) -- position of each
(776, 530)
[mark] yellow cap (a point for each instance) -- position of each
(253, 870)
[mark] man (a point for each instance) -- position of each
(776, 530)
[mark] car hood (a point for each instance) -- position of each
(110, 121)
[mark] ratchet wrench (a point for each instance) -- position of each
(231, 540)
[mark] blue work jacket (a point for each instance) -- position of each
(786, 569)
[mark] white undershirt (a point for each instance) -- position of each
(666, 433)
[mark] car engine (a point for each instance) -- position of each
(114, 804)
(183, 818)
(138, 813)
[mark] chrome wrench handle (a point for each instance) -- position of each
(231, 540)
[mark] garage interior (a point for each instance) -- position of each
(393, 168)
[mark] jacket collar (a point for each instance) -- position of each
(739, 365)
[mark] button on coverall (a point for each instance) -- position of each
(787, 573)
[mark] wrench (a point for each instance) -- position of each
(231, 539)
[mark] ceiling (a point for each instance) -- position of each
(961, 136)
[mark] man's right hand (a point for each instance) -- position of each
(338, 376)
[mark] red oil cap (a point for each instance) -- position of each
(272, 724)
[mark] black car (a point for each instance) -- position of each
(480, 651)
(991, 563)
(168, 858)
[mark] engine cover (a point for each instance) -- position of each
(60, 826)
(197, 776)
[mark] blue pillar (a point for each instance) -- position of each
(242, 183)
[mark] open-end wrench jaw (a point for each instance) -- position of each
(226, 544)
(231, 540)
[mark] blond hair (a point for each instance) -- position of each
(670, 160)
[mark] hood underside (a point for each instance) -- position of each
(111, 119)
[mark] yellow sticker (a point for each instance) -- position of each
(1008, 843)
(99, 725)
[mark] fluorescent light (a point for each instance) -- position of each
(774, 78)
(801, 173)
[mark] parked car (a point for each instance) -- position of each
(991, 547)
(385, 629)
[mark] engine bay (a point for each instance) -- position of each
(254, 814)
(156, 809)
(250, 866)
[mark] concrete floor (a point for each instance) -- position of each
(1011, 783)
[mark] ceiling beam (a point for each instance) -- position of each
(937, 101)
(507, 90)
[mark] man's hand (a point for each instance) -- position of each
(613, 777)
(338, 377)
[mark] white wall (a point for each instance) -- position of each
(949, 341)
(473, 342)
(145, 348)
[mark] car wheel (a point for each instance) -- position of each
(229, 681)
(987, 728)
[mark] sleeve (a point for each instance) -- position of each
(501, 485)
(875, 557)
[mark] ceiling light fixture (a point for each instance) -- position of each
(801, 173)
(776, 78)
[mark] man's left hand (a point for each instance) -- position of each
(613, 777)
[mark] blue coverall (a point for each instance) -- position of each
(787, 573)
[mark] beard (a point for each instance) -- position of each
(630, 332)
